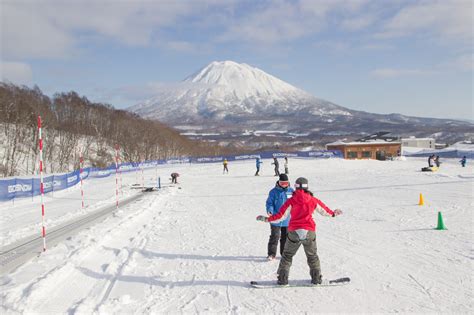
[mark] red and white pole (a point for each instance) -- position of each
(116, 176)
(40, 138)
(120, 173)
(80, 175)
(143, 179)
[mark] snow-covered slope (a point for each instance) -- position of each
(193, 248)
(228, 89)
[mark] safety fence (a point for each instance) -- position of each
(29, 187)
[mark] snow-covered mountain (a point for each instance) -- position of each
(229, 90)
(230, 102)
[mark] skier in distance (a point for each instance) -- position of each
(257, 164)
(225, 167)
(277, 166)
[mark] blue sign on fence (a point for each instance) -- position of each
(17, 187)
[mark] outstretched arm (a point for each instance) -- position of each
(280, 216)
(283, 213)
(324, 210)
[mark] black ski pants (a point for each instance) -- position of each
(277, 233)
(291, 247)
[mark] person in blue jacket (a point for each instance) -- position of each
(463, 161)
(257, 164)
(276, 198)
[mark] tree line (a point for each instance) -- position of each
(73, 126)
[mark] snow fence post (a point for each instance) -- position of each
(40, 144)
(81, 166)
(116, 177)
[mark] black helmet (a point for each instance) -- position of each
(301, 183)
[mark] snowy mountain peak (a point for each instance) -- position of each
(231, 90)
(244, 80)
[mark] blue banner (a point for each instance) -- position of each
(17, 187)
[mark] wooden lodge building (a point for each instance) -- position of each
(377, 146)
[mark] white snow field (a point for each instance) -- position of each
(194, 247)
(22, 217)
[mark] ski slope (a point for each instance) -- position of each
(194, 247)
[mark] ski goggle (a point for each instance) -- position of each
(283, 183)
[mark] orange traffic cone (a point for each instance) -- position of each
(421, 202)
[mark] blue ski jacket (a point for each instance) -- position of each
(258, 162)
(276, 198)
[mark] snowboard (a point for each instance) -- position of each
(269, 284)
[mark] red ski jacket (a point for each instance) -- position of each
(301, 207)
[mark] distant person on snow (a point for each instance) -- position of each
(463, 161)
(286, 165)
(437, 162)
(276, 198)
(174, 178)
(301, 230)
(430, 160)
(225, 167)
(277, 166)
(257, 164)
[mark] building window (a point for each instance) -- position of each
(366, 154)
(352, 155)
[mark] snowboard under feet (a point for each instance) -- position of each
(264, 284)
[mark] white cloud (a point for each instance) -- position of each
(377, 46)
(394, 73)
(284, 21)
(357, 23)
(25, 32)
(52, 29)
(60, 29)
(272, 24)
(16, 72)
(186, 47)
(462, 63)
(451, 19)
(338, 46)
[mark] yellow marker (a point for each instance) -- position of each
(421, 200)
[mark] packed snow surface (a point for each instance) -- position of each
(194, 247)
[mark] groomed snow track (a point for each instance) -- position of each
(14, 255)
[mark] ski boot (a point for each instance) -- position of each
(283, 277)
(316, 277)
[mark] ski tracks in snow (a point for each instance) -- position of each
(194, 249)
(69, 282)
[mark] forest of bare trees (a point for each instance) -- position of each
(74, 126)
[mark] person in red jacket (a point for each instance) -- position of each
(301, 230)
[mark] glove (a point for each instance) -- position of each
(262, 218)
(337, 212)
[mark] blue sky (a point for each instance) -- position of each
(409, 57)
